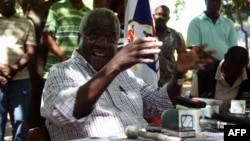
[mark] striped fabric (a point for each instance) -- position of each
(63, 22)
(15, 32)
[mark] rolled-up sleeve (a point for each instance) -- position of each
(58, 97)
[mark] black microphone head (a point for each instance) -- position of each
(131, 132)
(169, 118)
(189, 102)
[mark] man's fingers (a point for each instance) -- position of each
(146, 60)
(147, 42)
(145, 39)
(149, 51)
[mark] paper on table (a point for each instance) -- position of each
(208, 136)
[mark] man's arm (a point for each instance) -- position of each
(53, 47)
(181, 45)
(186, 61)
(194, 88)
(175, 84)
(193, 38)
(25, 59)
(9, 71)
(128, 56)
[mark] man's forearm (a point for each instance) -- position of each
(174, 87)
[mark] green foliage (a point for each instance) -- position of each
(189, 75)
(179, 6)
(238, 11)
(230, 8)
(18, 8)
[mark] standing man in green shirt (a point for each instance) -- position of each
(61, 30)
(212, 28)
(172, 42)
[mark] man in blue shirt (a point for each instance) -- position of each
(212, 28)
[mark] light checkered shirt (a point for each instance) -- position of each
(127, 101)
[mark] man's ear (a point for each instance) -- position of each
(80, 39)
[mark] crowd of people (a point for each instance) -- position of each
(89, 88)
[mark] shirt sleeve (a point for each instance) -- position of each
(193, 37)
(58, 94)
(31, 38)
(179, 42)
(155, 101)
(51, 22)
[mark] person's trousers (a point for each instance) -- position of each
(15, 99)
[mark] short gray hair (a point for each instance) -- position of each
(103, 12)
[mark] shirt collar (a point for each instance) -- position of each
(79, 59)
(203, 16)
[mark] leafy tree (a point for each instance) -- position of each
(238, 11)
(179, 6)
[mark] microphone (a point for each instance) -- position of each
(169, 118)
(189, 102)
(132, 132)
(211, 123)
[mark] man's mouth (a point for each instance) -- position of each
(97, 54)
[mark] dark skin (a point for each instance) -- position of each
(7, 9)
(213, 8)
(109, 63)
(230, 74)
(3, 81)
(50, 40)
(161, 17)
(102, 57)
(77, 3)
